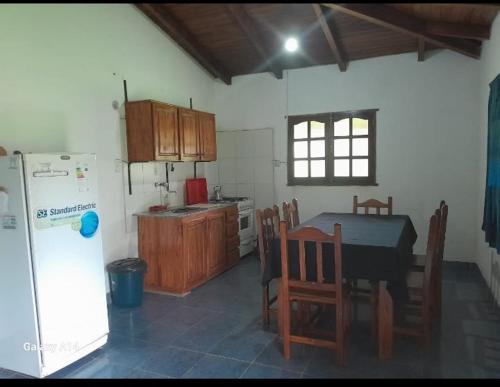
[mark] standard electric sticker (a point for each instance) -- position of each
(56, 217)
(9, 222)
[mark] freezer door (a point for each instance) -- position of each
(67, 253)
(18, 322)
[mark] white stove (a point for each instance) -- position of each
(246, 222)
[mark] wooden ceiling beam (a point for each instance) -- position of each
(394, 19)
(186, 40)
(458, 30)
(249, 28)
(330, 37)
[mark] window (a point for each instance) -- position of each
(332, 148)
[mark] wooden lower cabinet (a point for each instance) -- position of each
(185, 252)
(216, 242)
(194, 248)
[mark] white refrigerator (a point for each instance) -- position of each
(52, 280)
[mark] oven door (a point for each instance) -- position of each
(245, 221)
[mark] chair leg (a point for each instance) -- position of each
(438, 290)
(286, 329)
(354, 285)
(265, 305)
(427, 336)
(374, 306)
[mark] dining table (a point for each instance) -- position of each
(378, 248)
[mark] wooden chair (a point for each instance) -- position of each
(317, 292)
(372, 291)
(371, 203)
(420, 285)
(419, 261)
(291, 213)
(267, 229)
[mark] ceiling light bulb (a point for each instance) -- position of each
(291, 44)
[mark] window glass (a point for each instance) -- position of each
(300, 150)
(360, 146)
(359, 127)
(317, 129)
(317, 168)
(300, 130)
(360, 167)
(341, 168)
(318, 148)
(301, 168)
(341, 147)
(341, 128)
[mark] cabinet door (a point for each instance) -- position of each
(148, 233)
(216, 242)
(189, 134)
(195, 250)
(208, 145)
(166, 129)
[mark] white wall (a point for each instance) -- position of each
(490, 68)
(57, 89)
(426, 133)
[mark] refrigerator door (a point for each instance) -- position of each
(18, 320)
(67, 254)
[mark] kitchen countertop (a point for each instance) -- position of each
(204, 207)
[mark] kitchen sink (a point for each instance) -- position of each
(186, 209)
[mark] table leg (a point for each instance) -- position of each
(385, 322)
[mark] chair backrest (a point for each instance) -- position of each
(291, 213)
(267, 230)
(371, 203)
(276, 211)
(312, 234)
(443, 207)
(431, 263)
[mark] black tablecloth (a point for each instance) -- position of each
(374, 247)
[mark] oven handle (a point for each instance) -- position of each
(246, 212)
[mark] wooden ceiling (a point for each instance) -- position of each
(236, 39)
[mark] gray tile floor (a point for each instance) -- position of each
(216, 332)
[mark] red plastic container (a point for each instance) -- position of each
(196, 191)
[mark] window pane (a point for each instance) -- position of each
(359, 127)
(341, 168)
(317, 129)
(360, 147)
(318, 148)
(300, 130)
(300, 150)
(301, 169)
(360, 167)
(317, 168)
(341, 147)
(341, 128)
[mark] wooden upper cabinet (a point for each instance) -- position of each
(208, 144)
(165, 127)
(158, 131)
(189, 134)
(152, 131)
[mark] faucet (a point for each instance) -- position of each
(165, 185)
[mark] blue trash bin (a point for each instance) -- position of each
(126, 279)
